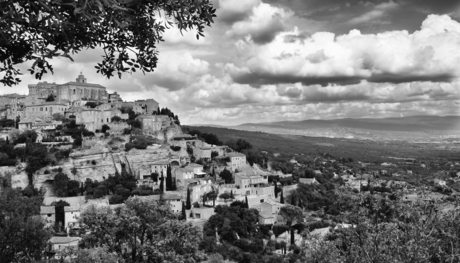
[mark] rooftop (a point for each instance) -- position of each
(235, 154)
(160, 162)
(63, 240)
(194, 165)
(47, 210)
(83, 84)
(71, 208)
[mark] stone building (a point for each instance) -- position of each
(236, 160)
(45, 110)
(71, 91)
(70, 99)
(154, 123)
(11, 106)
(202, 153)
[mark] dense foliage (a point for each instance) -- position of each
(142, 231)
(23, 237)
(384, 229)
(128, 31)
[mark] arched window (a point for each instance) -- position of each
(46, 109)
(41, 108)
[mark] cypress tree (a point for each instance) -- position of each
(161, 184)
(188, 203)
(292, 200)
(300, 203)
(276, 189)
(231, 194)
(292, 237)
(246, 205)
(184, 215)
(213, 172)
(168, 178)
(282, 198)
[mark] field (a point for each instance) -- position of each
(360, 150)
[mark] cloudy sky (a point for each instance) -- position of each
(274, 60)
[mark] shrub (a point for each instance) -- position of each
(105, 128)
(135, 123)
(116, 119)
(93, 162)
(116, 199)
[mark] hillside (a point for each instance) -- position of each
(413, 128)
(363, 150)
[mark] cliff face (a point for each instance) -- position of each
(99, 159)
(96, 165)
(168, 133)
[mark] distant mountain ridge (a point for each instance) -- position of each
(402, 124)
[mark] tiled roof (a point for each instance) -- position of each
(160, 162)
(235, 154)
(71, 208)
(47, 210)
(83, 84)
(63, 240)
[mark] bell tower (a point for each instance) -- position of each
(81, 78)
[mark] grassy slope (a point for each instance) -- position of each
(365, 151)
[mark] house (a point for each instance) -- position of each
(159, 167)
(247, 181)
(203, 213)
(317, 172)
(175, 202)
(198, 188)
(59, 243)
(71, 215)
(269, 213)
(182, 174)
(197, 170)
(308, 181)
(48, 213)
(202, 153)
(236, 161)
(254, 200)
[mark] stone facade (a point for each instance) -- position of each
(12, 105)
(154, 123)
(237, 161)
(70, 99)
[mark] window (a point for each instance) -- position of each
(73, 91)
(41, 108)
(46, 109)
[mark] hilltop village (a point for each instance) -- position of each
(79, 148)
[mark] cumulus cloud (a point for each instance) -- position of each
(175, 71)
(230, 12)
(396, 56)
(265, 22)
(377, 15)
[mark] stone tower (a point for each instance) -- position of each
(81, 78)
